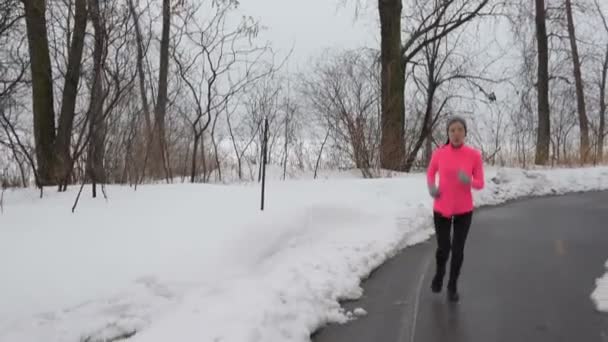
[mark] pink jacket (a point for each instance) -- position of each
(454, 196)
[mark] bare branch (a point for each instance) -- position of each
(460, 17)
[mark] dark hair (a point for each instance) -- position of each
(452, 120)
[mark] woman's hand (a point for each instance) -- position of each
(464, 178)
(434, 191)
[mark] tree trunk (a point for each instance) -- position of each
(235, 147)
(428, 148)
(204, 159)
(239, 160)
(159, 151)
(148, 135)
(602, 128)
(286, 146)
(392, 149)
(42, 90)
(140, 68)
(557, 148)
(356, 142)
(543, 138)
(215, 149)
(565, 148)
(70, 93)
(585, 146)
(197, 139)
(95, 159)
(318, 162)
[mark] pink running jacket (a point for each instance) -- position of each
(455, 197)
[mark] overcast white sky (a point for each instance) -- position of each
(313, 25)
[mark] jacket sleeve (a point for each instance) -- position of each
(478, 173)
(432, 169)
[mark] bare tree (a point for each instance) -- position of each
(42, 90)
(494, 127)
(562, 122)
(434, 63)
(551, 67)
(13, 66)
(121, 112)
(53, 147)
(237, 134)
(13, 80)
(290, 110)
(344, 94)
(602, 87)
(544, 127)
(139, 39)
(70, 93)
(95, 170)
(393, 84)
(159, 148)
(320, 154)
(585, 146)
(523, 113)
(441, 16)
(108, 83)
(10, 15)
(266, 99)
(219, 63)
(443, 74)
(262, 101)
(11, 140)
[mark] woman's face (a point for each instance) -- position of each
(456, 133)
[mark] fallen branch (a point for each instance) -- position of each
(79, 193)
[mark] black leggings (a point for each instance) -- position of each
(445, 244)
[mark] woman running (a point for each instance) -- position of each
(460, 168)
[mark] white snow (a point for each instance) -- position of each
(201, 262)
(600, 294)
(360, 312)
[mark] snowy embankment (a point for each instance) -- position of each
(600, 294)
(201, 263)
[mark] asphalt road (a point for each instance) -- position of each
(530, 267)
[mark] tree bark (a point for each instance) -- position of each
(543, 138)
(204, 160)
(95, 158)
(320, 155)
(215, 149)
(159, 151)
(42, 90)
(286, 145)
(140, 68)
(238, 155)
(580, 92)
(70, 93)
(392, 149)
(428, 148)
(197, 139)
(602, 127)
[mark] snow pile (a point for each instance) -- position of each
(600, 294)
(201, 262)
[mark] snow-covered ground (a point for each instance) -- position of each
(202, 263)
(600, 294)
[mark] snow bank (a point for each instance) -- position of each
(200, 262)
(600, 294)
